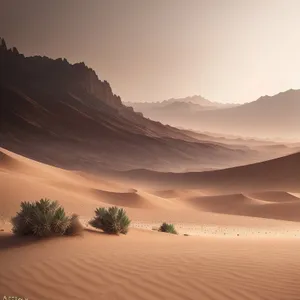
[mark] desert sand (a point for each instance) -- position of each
(242, 243)
(151, 265)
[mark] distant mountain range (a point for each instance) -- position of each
(268, 117)
(62, 114)
(193, 103)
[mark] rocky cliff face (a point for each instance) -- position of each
(61, 113)
(58, 74)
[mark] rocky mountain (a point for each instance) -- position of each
(268, 117)
(62, 114)
(197, 102)
(173, 108)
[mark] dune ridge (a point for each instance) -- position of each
(234, 239)
(73, 189)
(247, 205)
(280, 174)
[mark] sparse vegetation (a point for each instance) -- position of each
(170, 228)
(112, 220)
(43, 218)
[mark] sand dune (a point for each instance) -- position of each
(246, 205)
(130, 199)
(275, 196)
(82, 193)
(176, 193)
(223, 203)
(150, 265)
(238, 238)
(36, 180)
(295, 194)
(281, 174)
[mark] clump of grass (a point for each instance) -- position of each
(170, 228)
(112, 220)
(42, 218)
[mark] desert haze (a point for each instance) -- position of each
(103, 198)
(261, 118)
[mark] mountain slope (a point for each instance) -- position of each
(271, 117)
(276, 116)
(63, 114)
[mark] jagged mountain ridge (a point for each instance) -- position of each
(48, 104)
(197, 102)
(174, 107)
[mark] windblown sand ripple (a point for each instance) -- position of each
(241, 244)
(151, 265)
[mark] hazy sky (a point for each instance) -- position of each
(150, 50)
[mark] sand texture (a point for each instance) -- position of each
(243, 243)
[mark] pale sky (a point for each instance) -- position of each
(152, 50)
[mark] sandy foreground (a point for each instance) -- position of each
(241, 246)
(150, 265)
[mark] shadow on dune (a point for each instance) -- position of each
(129, 199)
(244, 205)
(280, 174)
(8, 241)
(96, 231)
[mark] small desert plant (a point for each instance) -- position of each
(165, 227)
(41, 218)
(112, 220)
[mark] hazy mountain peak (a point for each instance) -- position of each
(267, 117)
(200, 100)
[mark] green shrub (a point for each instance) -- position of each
(42, 218)
(112, 220)
(165, 227)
